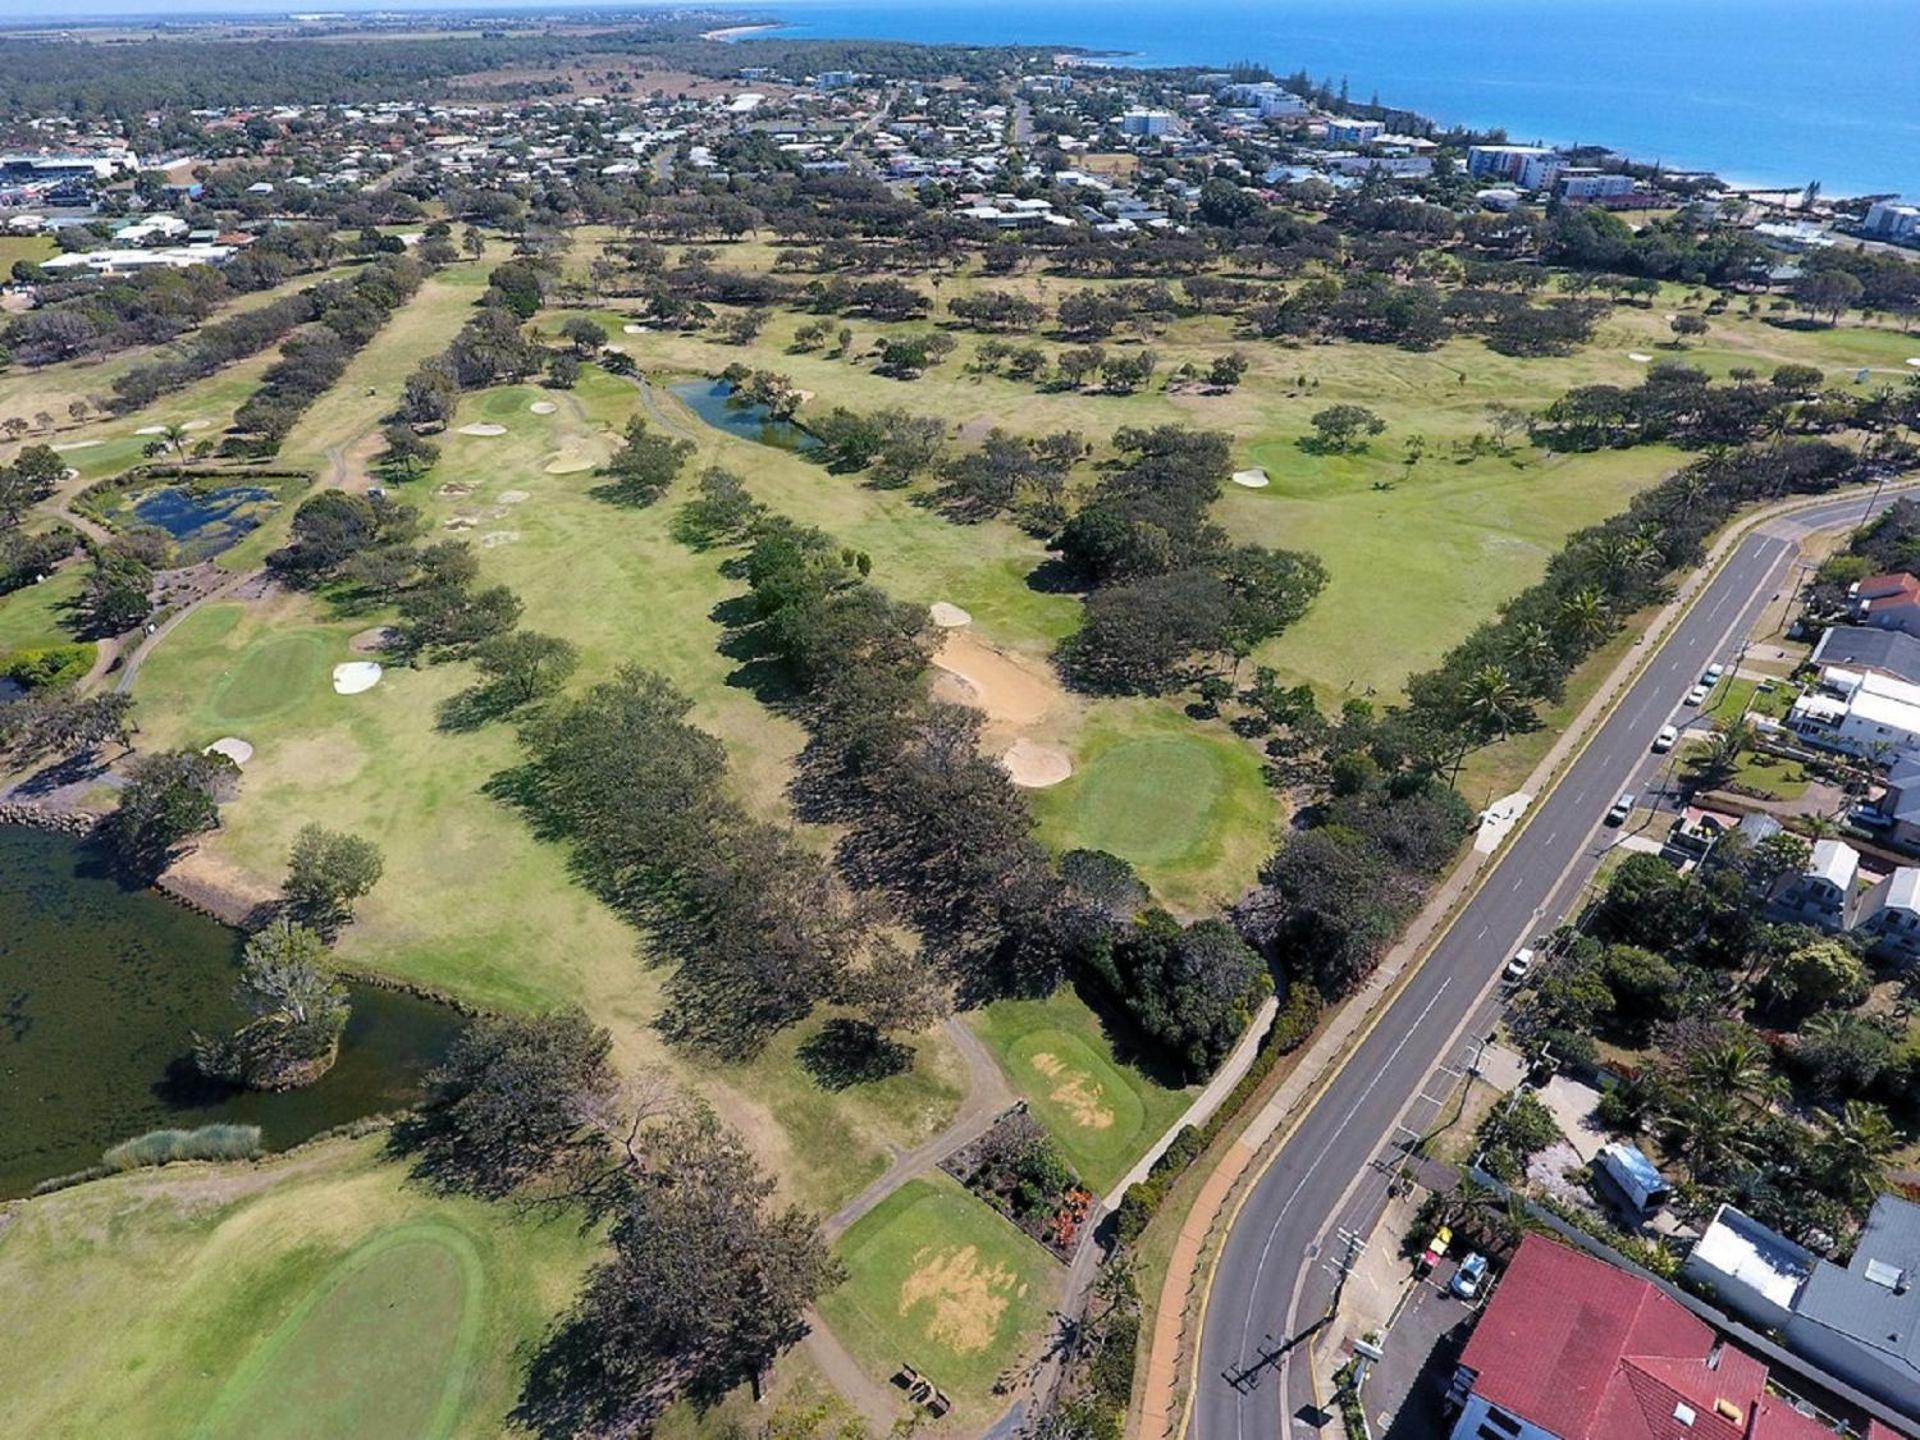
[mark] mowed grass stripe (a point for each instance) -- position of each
(379, 1347)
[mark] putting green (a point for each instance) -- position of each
(372, 1350)
(1078, 1095)
(937, 1280)
(1149, 801)
(272, 675)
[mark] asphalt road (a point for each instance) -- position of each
(1275, 1277)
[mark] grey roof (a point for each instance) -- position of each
(1875, 1301)
(1858, 647)
(1759, 826)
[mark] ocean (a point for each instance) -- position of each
(1764, 92)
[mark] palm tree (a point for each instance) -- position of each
(1853, 1151)
(1737, 1070)
(1492, 698)
(1714, 1131)
(175, 439)
(1531, 648)
(1716, 762)
(1585, 616)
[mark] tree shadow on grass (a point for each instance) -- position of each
(474, 707)
(847, 1052)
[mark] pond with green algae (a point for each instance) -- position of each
(101, 989)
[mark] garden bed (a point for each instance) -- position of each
(1016, 1168)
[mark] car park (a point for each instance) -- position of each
(1521, 965)
(1697, 696)
(1622, 808)
(1471, 1275)
(1665, 740)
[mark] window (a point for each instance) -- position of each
(1498, 1425)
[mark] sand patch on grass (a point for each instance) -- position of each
(483, 429)
(231, 746)
(354, 676)
(1639, 357)
(514, 497)
(994, 682)
(568, 462)
(372, 640)
(65, 445)
(1033, 766)
(948, 616)
(1254, 479)
(1075, 1093)
(197, 425)
(454, 490)
(151, 430)
(966, 1297)
(543, 407)
(498, 537)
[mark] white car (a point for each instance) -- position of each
(1665, 740)
(1521, 965)
(1697, 696)
(1622, 808)
(1711, 675)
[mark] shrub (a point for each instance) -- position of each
(51, 668)
(163, 1147)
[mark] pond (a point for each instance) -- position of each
(101, 989)
(712, 401)
(203, 522)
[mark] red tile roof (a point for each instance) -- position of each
(1898, 586)
(1574, 1346)
(1774, 1419)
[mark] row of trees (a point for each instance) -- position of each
(313, 360)
(31, 477)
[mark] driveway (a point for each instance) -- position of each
(1404, 1390)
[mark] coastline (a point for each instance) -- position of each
(730, 34)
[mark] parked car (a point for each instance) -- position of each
(1668, 737)
(1697, 696)
(1471, 1275)
(1521, 965)
(1622, 808)
(1711, 675)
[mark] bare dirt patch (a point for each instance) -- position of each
(967, 1297)
(372, 640)
(454, 490)
(1074, 1092)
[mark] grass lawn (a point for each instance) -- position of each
(316, 1295)
(35, 615)
(939, 1281)
(1738, 695)
(1101, 1112)
(1769, 776)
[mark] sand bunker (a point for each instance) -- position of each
(498, 537)
(948, 617)
(1074, 1092)
(967, 1298)
(372, 641)
(1639, 357)
(69, 473)
(485, 430)
(1914, 360)
(67, 445)
(514, 497)
(567, 462)
(458, 522)
(1254, 479)
(633, 329)
(197, 425)
(151, 430)
(231, 746)
(355, 676)
(1033, 766)
(1006, 690)
(543, 407)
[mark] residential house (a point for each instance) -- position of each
(1862, 713)
(1890, 914)
(1749, 1270)
(1569, 1348)
(1898, 808)
(1886, 602)
(1859, 1322)
(1862, 1321)
(1822, 893)
(1878, 650)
